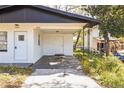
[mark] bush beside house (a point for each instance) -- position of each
(107, 71)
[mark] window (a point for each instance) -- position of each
(21, 38)
(3, 41)
(38, 39)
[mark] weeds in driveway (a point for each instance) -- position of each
(107, 71)
(13, 77)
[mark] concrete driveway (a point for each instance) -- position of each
(58, 74)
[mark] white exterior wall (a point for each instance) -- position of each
(34, 51)
(93, 34)
(37, 49)
(67, 43)
(8, 57)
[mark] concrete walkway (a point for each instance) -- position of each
(59, 72)
(55, 78)
(56, 62)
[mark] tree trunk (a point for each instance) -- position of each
(106, 38)
(75, 45)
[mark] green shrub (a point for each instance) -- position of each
(11, 81)
(112, 64)
(15, 70)
(86, 66)
(80, 55)
(109, 71)
(13, 77)
(111, 80)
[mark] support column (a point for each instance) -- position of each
(88, 39)
(83, 38)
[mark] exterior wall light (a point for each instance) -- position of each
(16, 25)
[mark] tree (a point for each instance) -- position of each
(77, 40)
(111, 18)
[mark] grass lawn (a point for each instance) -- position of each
(13, 77)
(107, 71)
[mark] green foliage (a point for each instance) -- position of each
(78, 54)
(11, 81)
(121, 39)
(15, 70)
(112, 80)
(111, 17)
(13, 77)
(86, 66)
(108, 71)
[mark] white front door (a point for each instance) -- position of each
(20, 47)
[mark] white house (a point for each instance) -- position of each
(28, 32)
(97, 42)
(94, 33)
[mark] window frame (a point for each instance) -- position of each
(5, 41)
(38, 39)
(21, 38)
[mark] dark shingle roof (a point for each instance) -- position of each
(71, 15)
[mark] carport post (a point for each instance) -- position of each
(88, 38)
(83, 41)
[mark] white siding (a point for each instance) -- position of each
(37, 49)
(67, 43)
(8, 57)
(93, 34)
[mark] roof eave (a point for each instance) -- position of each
(89, 20)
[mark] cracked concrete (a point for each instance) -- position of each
(59, 72)
(55, 78)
